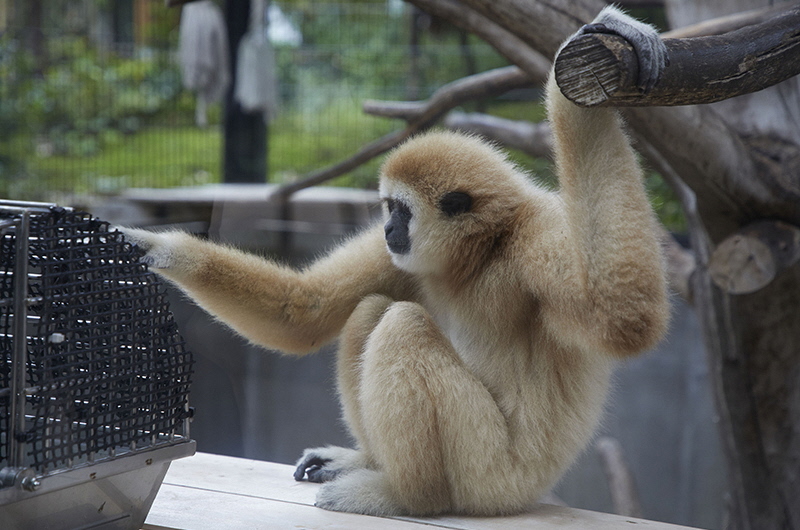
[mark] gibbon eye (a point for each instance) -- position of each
(454, 203)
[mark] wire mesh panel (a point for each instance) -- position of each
(106, 370)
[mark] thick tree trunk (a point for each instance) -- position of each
(752, 344)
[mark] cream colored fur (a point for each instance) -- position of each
(472, 370)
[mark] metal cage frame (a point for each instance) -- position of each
(94, 375)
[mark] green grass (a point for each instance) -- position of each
(160, 157)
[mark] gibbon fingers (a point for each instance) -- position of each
(477, 328)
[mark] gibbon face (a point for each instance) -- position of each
(446, 197)
(415, 229)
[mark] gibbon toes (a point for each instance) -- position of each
(324, 464)
(313, 468)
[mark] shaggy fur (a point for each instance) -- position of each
(473, 368)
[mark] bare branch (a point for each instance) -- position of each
(534, 139)
(720, 25)
(478, 86)
(715, 163)
(681, 264)
(425, 115)
(600, 70)
(364, 155)
(620, 480)
(543, 26)
(505, 42)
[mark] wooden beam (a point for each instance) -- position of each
(601, 70)
(751, 258)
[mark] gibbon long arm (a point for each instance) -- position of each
(270, 304)
(615, 290)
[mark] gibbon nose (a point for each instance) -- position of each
(397, 238)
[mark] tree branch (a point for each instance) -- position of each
(728, 23)
(541, 25)
(601, 70)
(752, 257)
(620, 479)
(505, 42)
(534, 139)
(715, 163)
(423, 116)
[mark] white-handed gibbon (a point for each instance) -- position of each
(477, 329)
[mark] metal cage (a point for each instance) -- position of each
(94, 375)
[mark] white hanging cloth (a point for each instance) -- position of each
(203, 54)
(256, 87)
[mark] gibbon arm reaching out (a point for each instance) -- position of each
(271, 304)
(478, 326)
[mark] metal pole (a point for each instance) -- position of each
(16, 441)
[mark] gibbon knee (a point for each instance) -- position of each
(348, 362)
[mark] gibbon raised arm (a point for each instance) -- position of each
(478, 328)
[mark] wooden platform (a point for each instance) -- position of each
(211, 492)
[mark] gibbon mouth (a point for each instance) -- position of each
(398, 247)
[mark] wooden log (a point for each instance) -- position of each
(601, 70)
(752, 257)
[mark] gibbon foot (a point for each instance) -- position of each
(324, 464)
(363, 491)
(312, 468)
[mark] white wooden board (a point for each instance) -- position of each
(219, 492)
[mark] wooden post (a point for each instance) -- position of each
(245, 133)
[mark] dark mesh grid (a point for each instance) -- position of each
(108, 365)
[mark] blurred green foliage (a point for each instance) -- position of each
(90, 120)
(82, 99)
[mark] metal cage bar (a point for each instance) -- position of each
(92, 365)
